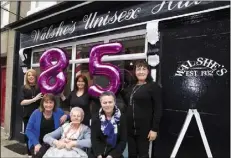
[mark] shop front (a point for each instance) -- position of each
(185, 42)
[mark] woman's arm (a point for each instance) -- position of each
(86, 142)
(97, 143)
(30, 128)
(51, 137)
(157, 103)
(24, 101)
(29, 101)
(121, 145)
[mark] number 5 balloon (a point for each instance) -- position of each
(53, 71)
(96, 67)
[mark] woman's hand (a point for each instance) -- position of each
(152, 135)
(63, 119)
(99, 156)
(37, 97)
(70, 144)
(37, 148)
(59, 144)
(62, 96)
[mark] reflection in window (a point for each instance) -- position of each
(37, 55)
(83, 50)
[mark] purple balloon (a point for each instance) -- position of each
(53, 71)
(96, 67)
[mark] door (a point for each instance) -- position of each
(3, 94)
(195, 70)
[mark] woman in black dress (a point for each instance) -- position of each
(30, 98)
(143, 111)
(79, 97)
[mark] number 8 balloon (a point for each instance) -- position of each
(53, 71)
(110, 71)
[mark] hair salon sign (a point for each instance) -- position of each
(95, 21)
(201, 67)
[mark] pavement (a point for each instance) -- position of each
(6, 152)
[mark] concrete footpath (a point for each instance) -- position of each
(6, 152)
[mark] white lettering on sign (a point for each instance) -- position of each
(171, 5)
(201, 67)
(51, 32)
(93, 22)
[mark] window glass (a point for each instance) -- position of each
(37, 55)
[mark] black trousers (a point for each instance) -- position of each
(25, 121)
(138, 146)
(41, 152)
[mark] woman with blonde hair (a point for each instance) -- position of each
(71, 138)
(30, 98)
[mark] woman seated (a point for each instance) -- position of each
(68, 140)
(108, 130)
(42, 121)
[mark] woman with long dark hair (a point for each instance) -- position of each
(79, 97)
(143, 111)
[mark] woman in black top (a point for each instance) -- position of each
(30, 98)
(79, 97)
(143, 111)
(108, 129)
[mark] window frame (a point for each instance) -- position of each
(105, 39)
(5, 14)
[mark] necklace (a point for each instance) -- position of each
(134, 90)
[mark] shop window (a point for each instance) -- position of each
(68, 85)
(37, 6)
(5, 7)
(37, 55)
(83, 50)
(131, 45)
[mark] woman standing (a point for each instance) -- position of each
(108, 130)
(79, 97)
(42, 121)
(30, 98)
(143, 111)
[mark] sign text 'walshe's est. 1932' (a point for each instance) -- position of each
(200, 67)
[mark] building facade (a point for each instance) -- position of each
(11, 12)
(185, 42)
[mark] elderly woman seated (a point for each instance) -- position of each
(69, 139)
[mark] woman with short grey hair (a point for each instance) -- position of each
(71, 138)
